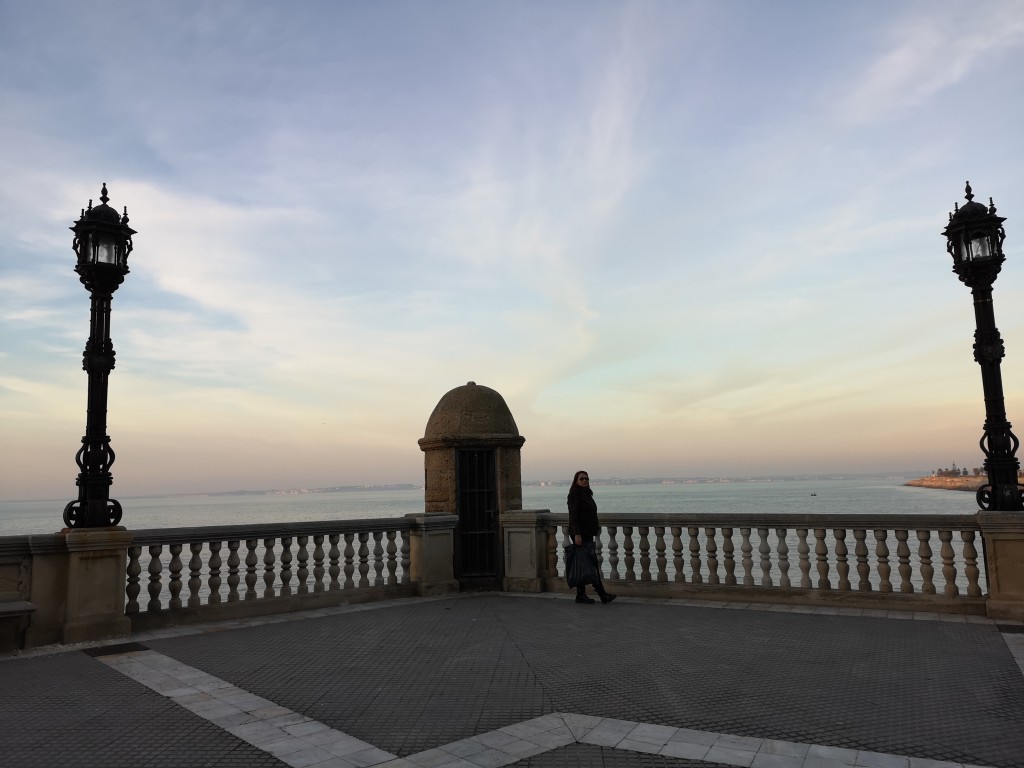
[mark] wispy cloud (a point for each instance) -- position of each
(924, 54)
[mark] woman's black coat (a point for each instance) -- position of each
(583, 513)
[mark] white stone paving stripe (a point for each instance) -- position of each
(301, 741)
(291, 737)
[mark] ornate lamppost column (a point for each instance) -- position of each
(102, 243)
(974, 238)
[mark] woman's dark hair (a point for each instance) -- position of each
(575, 488)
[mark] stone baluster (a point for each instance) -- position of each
(730, 559)
(860, 550)
(613, 552)
(746, 559)
(405, 559)
(214, 576)
(195, 572)
(677, 555)
(711, 547)
(924, 554)
(696, 576)
(318, 563)
(842, 565)
(971, 564)
(645, 553)
(133, 588)
(552, 549)
(948, 564)
(252, 559)
(821, 555)
(286, 566)
(350, 555)
(392, 553)
(334, 556)
(268, 567)
(782, 549)
(903, 557)
(155, 585)
(882, 555)
(378, 559)
(659, 548)
(302, 576)
(364, 557)
(174, 588)
(627, 543)
(766, 560)
(803, 558)
(233, 563)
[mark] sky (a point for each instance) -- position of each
(680, 238)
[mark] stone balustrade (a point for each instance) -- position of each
(912, 562)
(181, 574)
(76, 586)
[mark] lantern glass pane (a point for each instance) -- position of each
(979, 248)
(106, 252)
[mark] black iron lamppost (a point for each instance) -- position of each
(102, 243)
(974, 238)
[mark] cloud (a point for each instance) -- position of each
(925, 54)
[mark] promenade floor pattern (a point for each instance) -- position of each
(478, 681)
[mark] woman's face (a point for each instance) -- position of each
(583, 480)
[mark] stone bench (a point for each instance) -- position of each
(14, 616)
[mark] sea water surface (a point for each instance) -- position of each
(848, 495)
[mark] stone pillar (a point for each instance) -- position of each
(525, 541)
(1003, 534)
(78, 581)
(49, 591)
(431, 548)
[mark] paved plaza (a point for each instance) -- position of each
(485, 680)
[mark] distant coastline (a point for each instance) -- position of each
(950, 483)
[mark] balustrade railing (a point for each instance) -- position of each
(879, 554)
(208, 571)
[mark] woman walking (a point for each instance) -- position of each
(583, 527)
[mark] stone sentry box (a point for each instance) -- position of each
(472, 469)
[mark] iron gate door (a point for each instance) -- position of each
(477, 546)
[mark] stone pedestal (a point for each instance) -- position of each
(1003, 533)
(78, 580)
(431, 553)
(524, 542)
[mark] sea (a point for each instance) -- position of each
(820, 495)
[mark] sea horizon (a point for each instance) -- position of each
(595, 481)
(831, 494)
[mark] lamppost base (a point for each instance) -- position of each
(81, 514)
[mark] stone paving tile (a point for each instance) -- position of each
(482, 668)
(480, 664)
(72, 710)
(586, 755)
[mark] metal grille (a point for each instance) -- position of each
(476, 536)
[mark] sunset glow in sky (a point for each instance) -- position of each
(680, 238)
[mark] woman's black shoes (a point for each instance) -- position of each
(606, 597)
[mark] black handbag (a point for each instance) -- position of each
(581, 567)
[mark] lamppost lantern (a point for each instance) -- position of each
(102, 243)
(974, 238)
